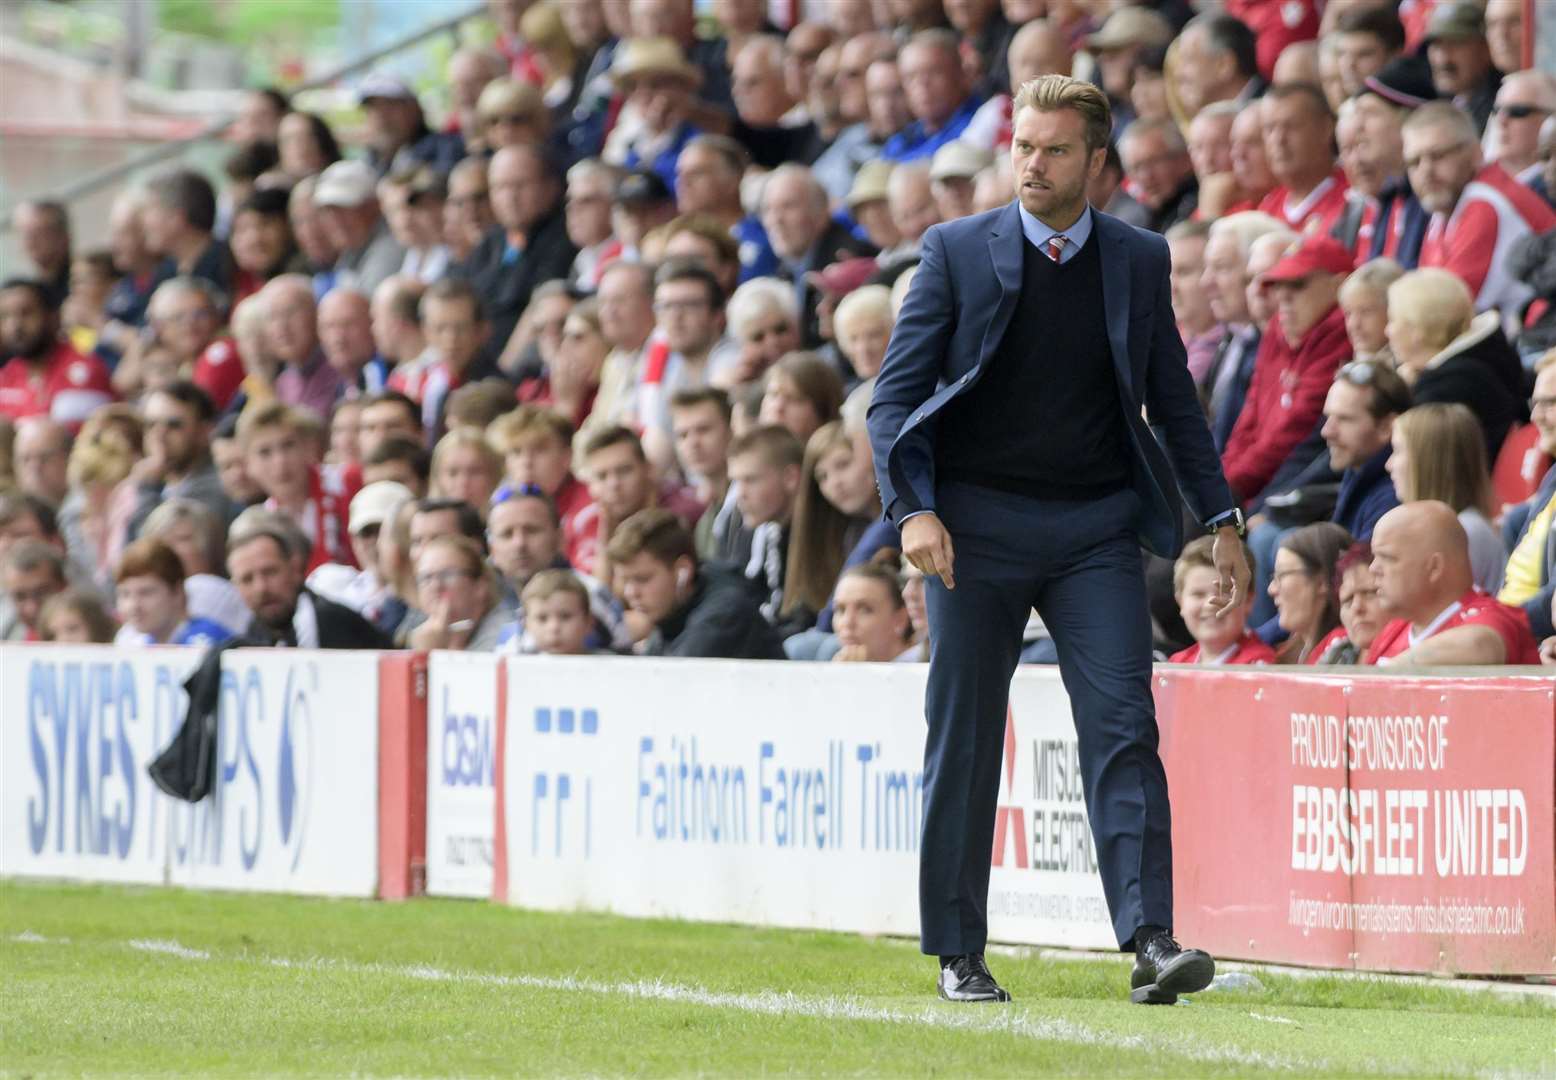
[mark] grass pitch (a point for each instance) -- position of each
(103, 981)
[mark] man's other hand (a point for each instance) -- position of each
(927, 545)
(1233, 577)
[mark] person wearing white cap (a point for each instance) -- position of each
(362, 591)
(346, 198)
(951, 173)
(398, 138)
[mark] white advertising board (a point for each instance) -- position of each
(461, 760)
(774, 794)
(78, 726)
(295, 803)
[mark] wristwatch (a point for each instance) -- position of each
(1232, 517)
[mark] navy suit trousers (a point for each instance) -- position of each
(1080, 565)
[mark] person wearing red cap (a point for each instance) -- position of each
(1421, 564)
(1309, 195)
(1298, 357)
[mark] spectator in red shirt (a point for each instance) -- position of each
(317, 498)
(1218, 639)
(1309, 195)
(1421, 561)
(1361, 615)
(621, 482)
(536, 444)
(1298, 356)
(43, 375)
(1478, 211)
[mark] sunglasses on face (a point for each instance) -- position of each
(1518, 112)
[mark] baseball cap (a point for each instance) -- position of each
(376, 503)
(1405, 81)
(843, 277)
(1132, 26)
(382, 85)
(1311, 255)
(958, 160)
(345, 183)
(642, 188)
(1458, 21)
(869, 183)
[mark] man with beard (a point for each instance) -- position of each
(265, 559)
(177, 445)
(42, 374)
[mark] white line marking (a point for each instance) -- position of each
(27, 937)
(1271, 1019)
(170, 948)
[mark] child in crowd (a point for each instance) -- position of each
(150, 596)
(765, 471)
(557, 614)
(76, 617)
(1218, 639)
(536, 444)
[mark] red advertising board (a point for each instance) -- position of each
(1451, 784)
(1389, 824)
(1254, 768)
(402, 774)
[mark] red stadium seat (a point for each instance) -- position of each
(1519, 467)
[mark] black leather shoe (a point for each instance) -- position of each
(967, 978)
(1164, 969)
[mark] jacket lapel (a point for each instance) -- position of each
(1115, 292)
(1005, 253)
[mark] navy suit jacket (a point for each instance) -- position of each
(952, 322)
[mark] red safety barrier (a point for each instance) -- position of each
(402, 775)
(1386, 824)
(500, 826)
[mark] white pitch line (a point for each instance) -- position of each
(992, 1020)
(170, 948)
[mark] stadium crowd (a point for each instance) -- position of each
(582, 364)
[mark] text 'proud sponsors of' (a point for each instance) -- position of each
(461, 765)
(1414, 831)
(780, 794)
(1351, 821)
(294, 807)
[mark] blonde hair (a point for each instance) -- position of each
(555, 582)
(525, 425)
(465, 438)
(757, 297)
(867, 301)
(101, 461)
(1435, 301)
(1050, 93)
(1374, 275)
(1446, 458)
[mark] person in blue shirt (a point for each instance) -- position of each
(658, 83)
(149, 593)
(938, 94)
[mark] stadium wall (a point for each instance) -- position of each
(1347, 821)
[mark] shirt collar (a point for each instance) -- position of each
(1039, 233)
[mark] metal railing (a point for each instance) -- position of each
(164, 151)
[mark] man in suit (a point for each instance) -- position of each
(266, 565)
(1011, 451)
